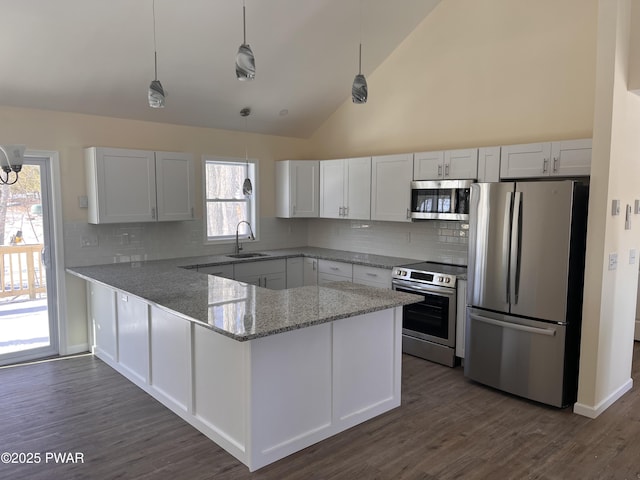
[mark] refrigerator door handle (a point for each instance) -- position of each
(550, 332)
(506, 234)
(516, 242)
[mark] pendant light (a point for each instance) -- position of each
(247, 188)
(359, 91)
(156, 92)
(245, 61)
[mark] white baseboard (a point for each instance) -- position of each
(593, 411)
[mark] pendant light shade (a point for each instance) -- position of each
(156, 93)
(359, 91)
(247, 187)
(245, 60)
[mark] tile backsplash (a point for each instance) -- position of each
(87, 244)
(433, 240)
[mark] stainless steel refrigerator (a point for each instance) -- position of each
(525, 284)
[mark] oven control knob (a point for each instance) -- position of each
(447, 280)
(440, 279)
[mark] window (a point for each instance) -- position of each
(225, 204)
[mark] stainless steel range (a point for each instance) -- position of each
(429, 327)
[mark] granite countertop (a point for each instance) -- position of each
(242, 311)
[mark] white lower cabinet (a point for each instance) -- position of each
(372, 276)
(310, 271)
(331, 271)
(170, 340)
(270, 274)
(102, 315)
(133, 335)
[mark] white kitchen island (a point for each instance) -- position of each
(262, 373)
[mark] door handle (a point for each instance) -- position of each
(516, 242)
(550, 332)
(506, 240)
(439, 170)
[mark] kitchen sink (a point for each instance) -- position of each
(247, 255)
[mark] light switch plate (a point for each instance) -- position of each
(637, 207)
(613, 261)
(627, 218)
(89, 241)
(615, 207)
(632, 256)
(83, 201)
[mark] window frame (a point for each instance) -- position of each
(253, 201)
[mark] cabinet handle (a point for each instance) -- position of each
(294, 209)
(545, 162)
(555, 164)
(446, 170)
(439, 170)
(334, 268)
(153, 213)
(346, 211)
(372, 274)
(339, 211)
(314, 265)
(192, 214)
(408, 213)
(265, 282)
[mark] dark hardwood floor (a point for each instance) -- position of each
(446, 428)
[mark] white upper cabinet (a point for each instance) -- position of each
(446, 165)
(345, 188)
(489, 164)
(175, 185)
(126, 186)
(391, 177)
(564, 158)
(571, 158)
(297, 188)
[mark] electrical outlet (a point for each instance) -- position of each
(613, 261)
(89, 241)
(83, 201)
(615, 207)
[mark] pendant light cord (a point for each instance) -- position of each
(244, 24)
(360, 52)
(155, 50)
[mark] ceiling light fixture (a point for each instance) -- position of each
(359, 90)
(156, 92)
(11, 160)
(245, 61)
(247, 188)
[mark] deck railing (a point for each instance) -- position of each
(22, 271)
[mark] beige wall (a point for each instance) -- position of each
(610, 296)
(476, 73)
(70, 133)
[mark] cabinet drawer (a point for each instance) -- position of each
(324, 278)
(262, 267)
(225, 271)
(336, 268)
(373, 276)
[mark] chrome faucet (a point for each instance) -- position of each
(251, 235)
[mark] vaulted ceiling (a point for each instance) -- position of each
(96, 57)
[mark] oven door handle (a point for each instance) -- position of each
(432, 289)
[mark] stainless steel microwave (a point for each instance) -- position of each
(440, 200)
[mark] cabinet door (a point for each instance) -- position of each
(305, 184)
(295, 272)
(391, 187)
(571, 158)
(103, 317)
(275, 281)
(133, 335)
(175, 186)
(489, 164)
(428, 165)
(121, 185)
(310, 271)
(522, 161)
(332, 188)
(358, 188)
(461, 164)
